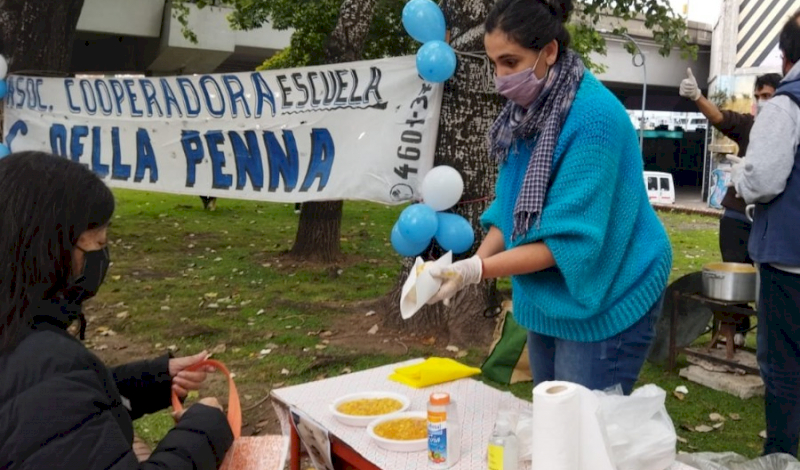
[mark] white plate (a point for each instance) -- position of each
(418, 445)
(362, 421)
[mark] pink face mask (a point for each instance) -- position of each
(522, 87)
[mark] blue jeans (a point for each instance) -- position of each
(778, 355)
(599, 365)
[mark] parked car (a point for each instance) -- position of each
(660, 187)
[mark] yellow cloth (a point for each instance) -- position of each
(434, 370)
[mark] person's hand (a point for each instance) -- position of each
(689, 88)
(734, 161)
(183, 380)
(456, 277)
(208, 401)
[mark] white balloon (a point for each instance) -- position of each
(3, 68)
(442, 187)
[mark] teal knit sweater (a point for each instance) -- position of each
(612, 253)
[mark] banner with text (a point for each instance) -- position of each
(363, 130)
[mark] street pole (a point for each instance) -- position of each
(639, 60)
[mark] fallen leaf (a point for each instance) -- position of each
(763, 434)
(452, 348)
(371, 313)
(461, 354)
(321, 347)
(703, 428)
(260, 312)
(347, 370)
(210, 295)
(373, 330)
(285, 372)
(716, 417)
(718, 425)
(219, 349)
(101, 347)
(122, 315)
(679, 395)
(682, 440)
(326, 334)
(116, 278)
(682, 389)
(735, 416)
(164, 308)
(264, 352)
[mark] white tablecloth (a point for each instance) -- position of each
(477, 405)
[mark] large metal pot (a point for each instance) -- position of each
(733, 282)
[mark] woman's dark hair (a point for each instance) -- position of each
(771, 80)
(532, 23)
(46, 203)
(789, 41)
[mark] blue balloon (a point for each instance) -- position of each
(3, 89)
(405, 247)
(424, 21)
(455, 233)
(418, 223)
(436, 61)
(4, 150)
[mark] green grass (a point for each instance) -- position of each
(200, 280)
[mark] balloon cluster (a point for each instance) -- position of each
(420, 223)
(4, 150)
(424, 21)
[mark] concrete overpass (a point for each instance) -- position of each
(137, 36)
(664, 74)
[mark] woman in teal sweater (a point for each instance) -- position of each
(571, 222)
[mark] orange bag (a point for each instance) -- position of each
(249, 452)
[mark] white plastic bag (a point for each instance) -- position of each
(732, 461)
(639, 431)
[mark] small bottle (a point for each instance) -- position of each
(503, 445)
(444, 433)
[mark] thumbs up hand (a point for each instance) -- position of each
(689, 88)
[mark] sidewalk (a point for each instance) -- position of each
(688, 201)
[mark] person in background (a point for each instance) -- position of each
(734, 226)
(209, 203)
(769, 177)
(571, 222)
(61, 407)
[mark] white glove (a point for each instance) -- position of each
(456, 277)
(689, 88)
(734, 161)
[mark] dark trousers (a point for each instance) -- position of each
(733, 237)
(779, 357)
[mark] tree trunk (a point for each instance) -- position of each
(37, 35)
(319, 230)
(469, 107)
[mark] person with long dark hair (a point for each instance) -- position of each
(571, 222)
(61, 407)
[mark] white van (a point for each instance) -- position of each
(660, 187)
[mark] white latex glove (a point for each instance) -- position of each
(734, 161)
(456, 277)
(689, 88)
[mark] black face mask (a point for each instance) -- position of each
(95, 267)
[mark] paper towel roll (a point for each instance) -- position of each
(556, 426)
(567, 434)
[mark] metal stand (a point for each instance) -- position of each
(723, 310)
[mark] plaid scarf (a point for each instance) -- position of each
(543, 120)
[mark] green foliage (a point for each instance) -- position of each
(314, 20)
